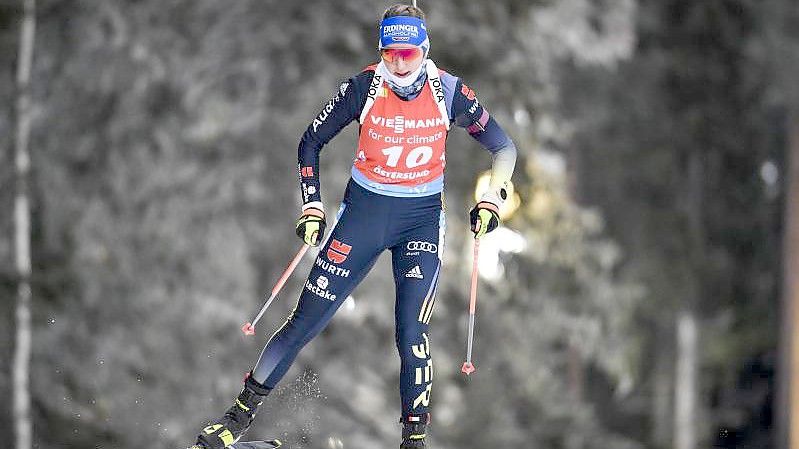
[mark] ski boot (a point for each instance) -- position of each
(413, 431)
(228, 429)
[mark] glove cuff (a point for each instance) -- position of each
(312, 207)
(488, 206)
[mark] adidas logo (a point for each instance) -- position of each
(415, 272)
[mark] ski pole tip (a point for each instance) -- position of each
(468, 368)
(248, 329)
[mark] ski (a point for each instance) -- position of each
(271, 444)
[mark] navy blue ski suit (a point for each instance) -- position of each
(409, 224)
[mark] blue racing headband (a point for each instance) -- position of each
(403, 30)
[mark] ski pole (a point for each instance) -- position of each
(468, 368)
(249, 327)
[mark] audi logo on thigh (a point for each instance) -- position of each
(423, 246)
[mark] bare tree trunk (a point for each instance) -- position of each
(22, 232)
(685, 403)
(663, 383)
(788, 415)
(686, 398)
(576, 371)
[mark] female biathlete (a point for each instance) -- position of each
(405, 107)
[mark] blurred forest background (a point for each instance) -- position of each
(633, 299)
